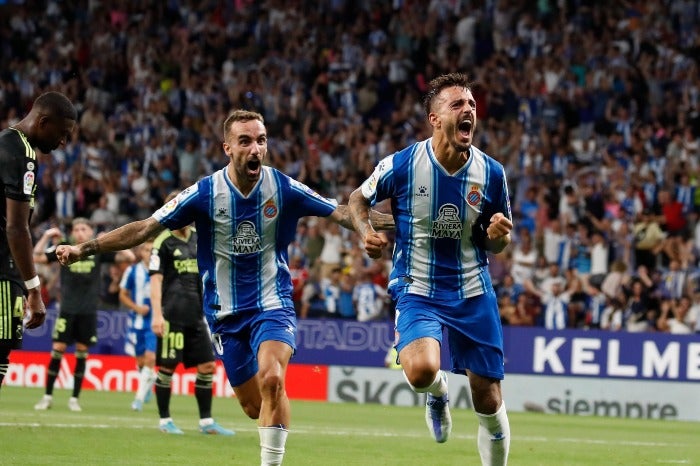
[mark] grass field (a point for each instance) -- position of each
(108, 432)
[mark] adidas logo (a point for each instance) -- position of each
(177, 253)
(498, 436)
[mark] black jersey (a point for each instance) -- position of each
(176, 259)
(18, 167)
(80, 283)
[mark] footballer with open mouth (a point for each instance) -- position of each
(246, 146)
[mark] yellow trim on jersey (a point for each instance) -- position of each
(28, 150)
(161, 237)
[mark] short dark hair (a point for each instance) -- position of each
(436, 85)
(56, 104)
(241, 115)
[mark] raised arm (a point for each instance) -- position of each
(124, 237)
(40, 246)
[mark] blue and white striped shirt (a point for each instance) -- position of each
(441, 220)
(242, 240)
(137, 281)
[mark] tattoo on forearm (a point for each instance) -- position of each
(381, 221)
(90, 248)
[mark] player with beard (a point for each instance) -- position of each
(246, 216)
(451, 207)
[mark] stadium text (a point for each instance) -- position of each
(343, 335)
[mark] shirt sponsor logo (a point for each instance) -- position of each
(247, 240)
(448, 224)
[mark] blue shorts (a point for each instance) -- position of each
(237, 339)
(473, 327)
(140, 340)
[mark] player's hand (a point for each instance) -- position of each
(53, 232)
(374, 243)
(67, 254)
(34, 309)
(158, 325)
(142, 309)
(499, 227)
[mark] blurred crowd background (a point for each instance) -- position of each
(592, 107)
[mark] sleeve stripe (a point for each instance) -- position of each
(28, 151)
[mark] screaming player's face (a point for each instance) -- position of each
(455, 115)
(246, 145)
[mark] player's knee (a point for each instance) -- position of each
(250, 408)
(486, 400)
(421, 377)
(272, 384)
(206, 368)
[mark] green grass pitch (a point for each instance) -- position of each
(107, 432)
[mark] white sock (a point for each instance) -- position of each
(272, 441)
(493, 438)
(165, 420)
(206, 421)
(147, 377)
(437, 388)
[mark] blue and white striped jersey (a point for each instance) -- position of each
(242, 240)
(441, 220)
(137, 281)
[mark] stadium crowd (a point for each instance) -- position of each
(592, 107)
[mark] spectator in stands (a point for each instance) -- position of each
(368, 298)
(313, 299)
(675, 316)
(607, 115)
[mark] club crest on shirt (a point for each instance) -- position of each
(246, 240)
(474, 196)
(448, 224)
(270, 209)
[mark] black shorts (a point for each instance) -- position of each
(187, 344)
(71, 328)
(11, 314)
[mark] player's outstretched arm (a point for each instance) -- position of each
(380, 221)
(124, 237)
